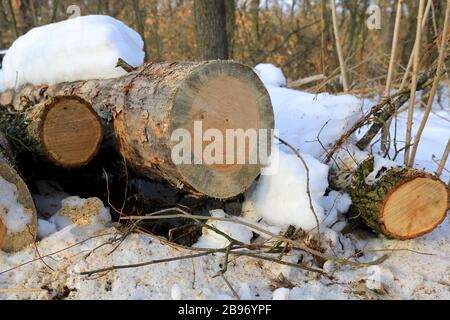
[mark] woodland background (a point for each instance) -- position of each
(296, 35)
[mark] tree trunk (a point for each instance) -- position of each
(399, 202)
(11, 240)
(142, 110)
(211, 29)
(230, 13)
(65, 129)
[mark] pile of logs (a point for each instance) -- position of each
(135, 115)
(66, 124)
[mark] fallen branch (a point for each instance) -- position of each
(295, 244)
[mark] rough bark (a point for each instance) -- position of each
(14, 241)
(141, 110)
(399, 202)
(64, 129)
(211, 29)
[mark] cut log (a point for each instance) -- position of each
(399, 202)
(21, 234)
(64, 129)
(146, 106)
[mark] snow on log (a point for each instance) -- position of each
(86, 47)
(64, 129)
(18, 219)
(399, 202)
(144, 108)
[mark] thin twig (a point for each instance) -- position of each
(294, 243)
(124, 65)
(387, 90)
(53, 253)
(338, 46)
(235, 294)
(411, 57)
(308, 180)
(143, 264)
(434, 88)
(412, 97)
(443, 160)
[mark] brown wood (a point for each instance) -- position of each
(64, 129)
(70, 132)
(141, 110)
(402, 203)
(14, 241)
(415, 207)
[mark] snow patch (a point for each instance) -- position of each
(14, 216)
(281, 198)
(211, 239)
(45, 228)
(270, 75)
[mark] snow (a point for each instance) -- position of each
(176, 292)
(14, 216)
(281, 198)
(416, 269)
(281, 294)
(82, 48)
(270, 75)
(310, 122)
(211, 239)
(45, 228)
(74, 211)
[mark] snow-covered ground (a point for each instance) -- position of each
(77, 235)
(416, 269)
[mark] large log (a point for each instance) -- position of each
(141, 110)
(24, 233)
(399, 202)
(64, 129)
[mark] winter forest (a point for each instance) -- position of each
(224, 150)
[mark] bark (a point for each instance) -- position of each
(211, 29)
(230, 10)
(141, 110)
(14, 241)
(64, 130)
(399, 202)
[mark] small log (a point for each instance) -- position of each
(399, 202)
(64, 129)
(142, 109)
(14, 241)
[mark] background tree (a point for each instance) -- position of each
(211, 29)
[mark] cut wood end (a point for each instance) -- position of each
(71, 131)
(222, 95)
(415, 208)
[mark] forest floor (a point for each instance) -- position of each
(415, 269)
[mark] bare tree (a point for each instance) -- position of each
(210, 20)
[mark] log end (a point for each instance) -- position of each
(414, 208)
(71, 132)
(216, 97)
